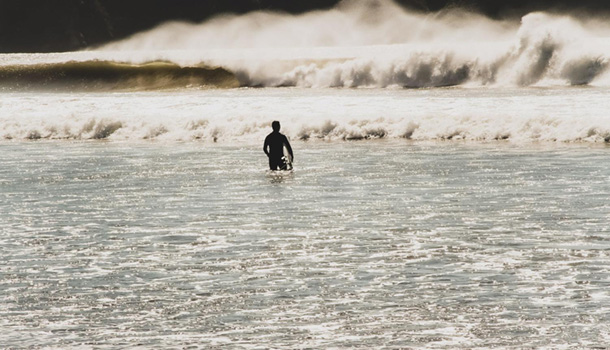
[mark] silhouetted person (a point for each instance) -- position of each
(274, 148)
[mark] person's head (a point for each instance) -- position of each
(276, 126)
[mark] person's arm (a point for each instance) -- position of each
(266, 146)
(288, 147)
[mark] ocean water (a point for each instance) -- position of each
(450, 188)
(557, 114)
(379, 243)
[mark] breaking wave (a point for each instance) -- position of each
(377, 43)
(518, 115)
(237, 129)
(359, 43)
(107, 75)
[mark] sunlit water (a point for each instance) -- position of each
(368, 244)
(564, 114)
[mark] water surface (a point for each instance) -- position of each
(388, 244)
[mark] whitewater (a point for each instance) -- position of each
(448, 75)
(450, 188)
(232, 116)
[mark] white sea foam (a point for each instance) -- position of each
(514, 80)
(244, 115)
(377, 43)
(373, 43)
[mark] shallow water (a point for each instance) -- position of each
(388, 244)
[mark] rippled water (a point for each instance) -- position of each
(386, 244)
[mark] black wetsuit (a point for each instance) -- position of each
(274, 148)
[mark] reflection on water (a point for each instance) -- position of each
(367, 244)
(280, 176)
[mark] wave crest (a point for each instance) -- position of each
(382, 44)
(108, 75)
(516, 129)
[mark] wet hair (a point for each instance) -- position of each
(275, 125)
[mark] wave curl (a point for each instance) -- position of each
(108, 75)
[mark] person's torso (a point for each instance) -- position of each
(276, 141)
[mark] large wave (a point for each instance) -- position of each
(377, 43)
(359, 43)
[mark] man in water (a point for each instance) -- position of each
(274, 148)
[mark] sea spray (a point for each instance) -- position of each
(356, 44)
(380, 44)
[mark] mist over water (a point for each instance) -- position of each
(380, 44)
(373, 43)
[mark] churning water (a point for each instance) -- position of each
(387, 243)
(468, 211)
(234, 116)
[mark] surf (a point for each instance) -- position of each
(243, 116)
(381, 45)
(384, 45)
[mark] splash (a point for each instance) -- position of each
(367, 43)
(380, 44)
